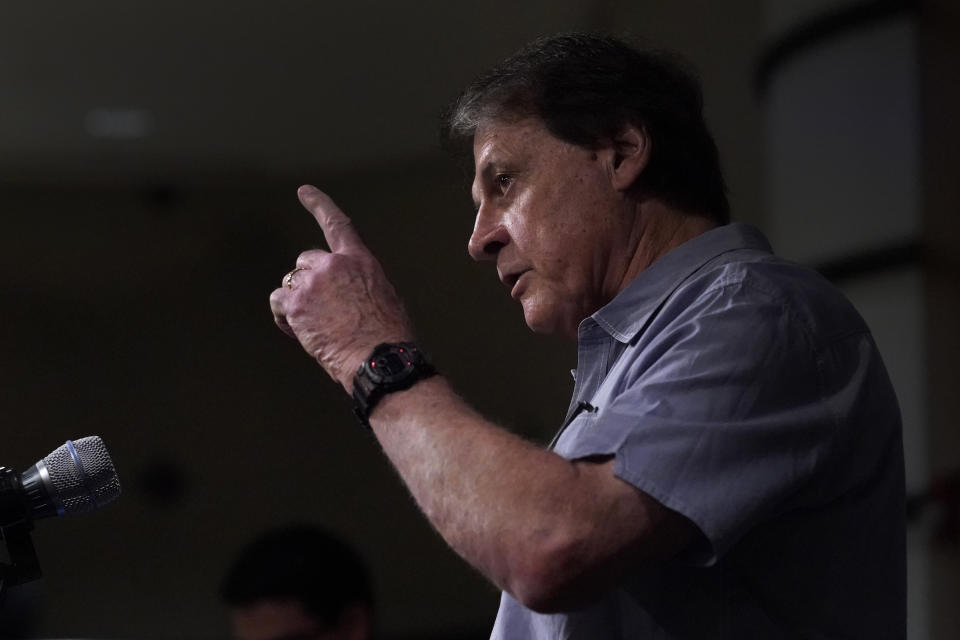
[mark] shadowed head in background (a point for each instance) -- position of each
(299, 582)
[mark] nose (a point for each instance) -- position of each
(488, 237)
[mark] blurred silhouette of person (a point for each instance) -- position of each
(299, 583)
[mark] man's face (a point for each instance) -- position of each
(550, 218)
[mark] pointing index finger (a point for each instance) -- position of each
(336, 226)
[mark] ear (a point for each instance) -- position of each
(630, 154)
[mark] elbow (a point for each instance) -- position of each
(550, 580)
(540, 598)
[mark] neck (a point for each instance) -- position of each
(658, 230)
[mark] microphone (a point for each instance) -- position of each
(76, 477)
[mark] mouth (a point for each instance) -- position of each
(511, 275)
(512, 280)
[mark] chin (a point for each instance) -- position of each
(548, 322)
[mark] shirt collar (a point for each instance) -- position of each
(625, 315)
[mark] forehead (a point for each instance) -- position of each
(496, 140)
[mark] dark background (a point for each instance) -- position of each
(149, 158)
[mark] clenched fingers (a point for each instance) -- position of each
(277, 299)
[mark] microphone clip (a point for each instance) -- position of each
(22, 564)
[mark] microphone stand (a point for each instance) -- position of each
(15, 529)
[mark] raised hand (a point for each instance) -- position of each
(338, 303)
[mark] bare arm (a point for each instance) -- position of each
(551, 532)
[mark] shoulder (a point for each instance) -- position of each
(762, 287)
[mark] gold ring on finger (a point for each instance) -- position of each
(288, 279)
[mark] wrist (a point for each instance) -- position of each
(349, 361)
(390, 367)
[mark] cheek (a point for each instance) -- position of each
(563, 249)
(560, 230)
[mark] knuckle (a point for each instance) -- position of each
(306, 257)
(318, 270)
(331, 265)
(338, 222)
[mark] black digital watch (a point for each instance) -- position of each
(390, 367)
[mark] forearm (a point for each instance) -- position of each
(531, 521)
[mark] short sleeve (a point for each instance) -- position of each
(718, 413)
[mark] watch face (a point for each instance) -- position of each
(390, 365)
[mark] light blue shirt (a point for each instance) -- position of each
(746, 393)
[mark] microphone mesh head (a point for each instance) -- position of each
(86, 486)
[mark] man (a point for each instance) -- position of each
(299, 583)
(731, 463)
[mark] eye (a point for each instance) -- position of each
(503, 180)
